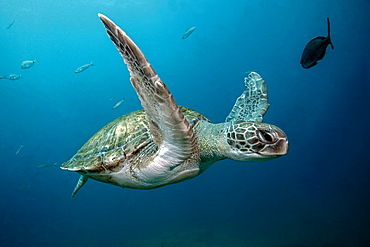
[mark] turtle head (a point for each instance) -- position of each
(250, 141)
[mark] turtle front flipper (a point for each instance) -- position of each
(253, 103)
(168, 126)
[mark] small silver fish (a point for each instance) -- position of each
(19, 150)
(10, 25)
(28, 64)
(118, 104)
(188, 32)
(83, 67)
(46, 165)
(12, 77)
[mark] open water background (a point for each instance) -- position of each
(316, 195)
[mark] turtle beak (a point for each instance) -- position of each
(278, 148)
(282, 147)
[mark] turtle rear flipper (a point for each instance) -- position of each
(83, 179)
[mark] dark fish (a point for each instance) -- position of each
(188, 32)
(315, 50)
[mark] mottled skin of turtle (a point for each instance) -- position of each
(165, 143)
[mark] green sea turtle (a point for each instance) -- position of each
(165, 143)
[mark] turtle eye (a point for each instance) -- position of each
(266, 135)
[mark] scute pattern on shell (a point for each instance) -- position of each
(124, 138)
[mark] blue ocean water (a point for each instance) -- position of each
(316, 195)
